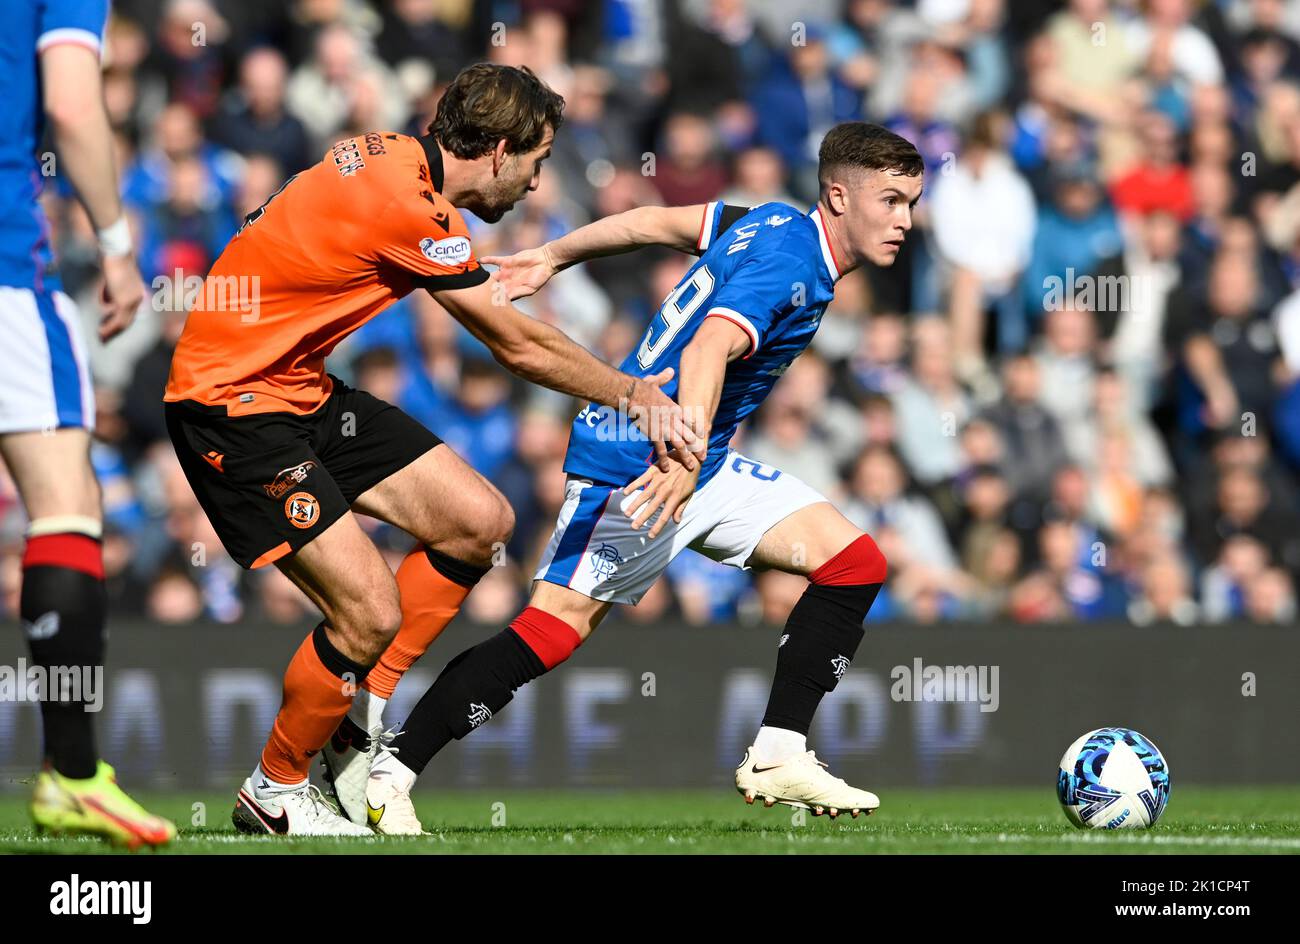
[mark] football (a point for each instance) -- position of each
(1113, 778)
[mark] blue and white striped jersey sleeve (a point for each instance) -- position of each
(756, 294)
(718, 218)
(71, 21)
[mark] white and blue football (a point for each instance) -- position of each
(1113, 778)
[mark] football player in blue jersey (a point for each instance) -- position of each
(51, 51)
(730, 328)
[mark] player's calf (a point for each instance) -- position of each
(432, 586)
(481, 681)
(362, 627)
(820, 640)
(62, 608)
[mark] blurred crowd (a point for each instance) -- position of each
(1074, 397)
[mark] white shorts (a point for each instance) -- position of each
(44, 371)
(595, 551)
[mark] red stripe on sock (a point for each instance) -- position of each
(551, 638)
(74, 551)
(858, 564)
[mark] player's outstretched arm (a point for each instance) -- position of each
(675, 227)
(83, 140)
(544, 355)
(704, 368)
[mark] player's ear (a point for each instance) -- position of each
(837, 197)
(499, 156)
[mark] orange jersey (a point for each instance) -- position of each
(338, 244)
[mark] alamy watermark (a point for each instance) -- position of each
(1108, 293)
(921, 682)
(68, 684)
(181, 292)
(638, 424)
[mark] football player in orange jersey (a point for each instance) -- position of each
(280, 453)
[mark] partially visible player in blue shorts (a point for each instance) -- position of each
(51, 52)
(730, 329)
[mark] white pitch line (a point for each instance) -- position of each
(1100, 837)
(1113, 838)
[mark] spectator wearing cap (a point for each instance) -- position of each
(1075, 231)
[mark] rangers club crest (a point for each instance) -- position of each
(605, 560)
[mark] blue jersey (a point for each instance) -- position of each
(771, 272)
(26, 28)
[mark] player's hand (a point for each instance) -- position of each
(121, 295)
(664, 423)
(523, 273)
(669, 491)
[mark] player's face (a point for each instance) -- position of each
(878, 214)
(518, 175)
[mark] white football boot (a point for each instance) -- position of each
(801, 781)
(389, 809)
(347, 759)
(300, 812)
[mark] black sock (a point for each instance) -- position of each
(471, 689)
(334, 660)
(62, 608)
(821, 638)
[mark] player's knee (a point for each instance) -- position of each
(371, 620)
(493, 520)
(386, 618)
(504, 525)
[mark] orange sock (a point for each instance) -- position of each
(318, 689)
(432, 587)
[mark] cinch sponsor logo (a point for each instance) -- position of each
(453, 250)
(75, 897)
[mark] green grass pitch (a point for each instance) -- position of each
(1199, 820)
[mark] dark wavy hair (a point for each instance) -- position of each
(487, 102)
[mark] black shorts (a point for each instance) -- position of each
(271, 482)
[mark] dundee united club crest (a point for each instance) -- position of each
(302, 509)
